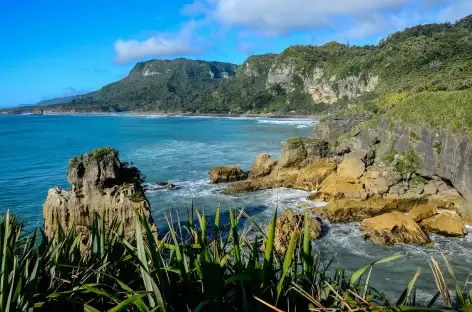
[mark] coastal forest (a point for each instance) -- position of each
(427, 61)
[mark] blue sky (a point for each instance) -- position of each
(56, 48)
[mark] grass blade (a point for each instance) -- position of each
(406, 293)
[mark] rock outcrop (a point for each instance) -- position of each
(351, 210)
(263, 165)
(446, 223)
(302, 152)
(330, 129)
(290, 222)
(101, 186)
(437, 153)
(393, 228)
(421, 212)
(229, 173)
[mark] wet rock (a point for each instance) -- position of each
(101, 185)
(421, 212)
(263, 165)
(290, 222)
(351, 210)
(393, 228)
(263, 183)
(447, 224)
(229, 173)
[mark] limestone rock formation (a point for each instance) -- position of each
(352, 167)
(302, 151)
(421, 212)
(229, 173)
(351, 210)
(330, 129)
(101, 185)
(438, 152)
(393, 228)
(311, 177)
(447, 224)
(290, 222)
(263, 165)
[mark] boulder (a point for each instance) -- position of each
(375, 185)
(352, 167)
(229, 173)
(302, 151)
(263, 183)
(335, 187)
(421, 212)
(288, 223)
(447, 224)
(263, 165)
(351, 210)
(448, 198)
(393, 228)
(101, 186)
(430, 189)
(311, 177)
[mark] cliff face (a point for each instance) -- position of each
(432, 151)
(322, 89)
(101, 185)
(439, 153)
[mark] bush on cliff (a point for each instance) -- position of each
(200, 267)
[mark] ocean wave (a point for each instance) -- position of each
(287, 121)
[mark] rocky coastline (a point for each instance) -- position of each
(394, 192)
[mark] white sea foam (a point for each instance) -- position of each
(287, 121)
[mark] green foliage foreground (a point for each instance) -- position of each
(204, 267)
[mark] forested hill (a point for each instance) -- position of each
(302, 79)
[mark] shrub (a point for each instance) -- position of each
(199, 266)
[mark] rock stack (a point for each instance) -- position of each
(101, 185)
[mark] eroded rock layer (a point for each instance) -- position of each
(101, 186)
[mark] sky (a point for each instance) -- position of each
(56, 48)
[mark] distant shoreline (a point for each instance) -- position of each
(219, 115)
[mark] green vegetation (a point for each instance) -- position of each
(414, 137)
(406, 163)
(137, 196)
(449, 110)
(416, 65)
(417, 179)
(437, 147)
(190, 269)
(100, 153)
(389, 156)
(297, 141)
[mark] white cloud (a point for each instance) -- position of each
(282, 15)
(160, 45)
(342, 20)
(455, 10)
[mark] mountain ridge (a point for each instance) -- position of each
(303, 79)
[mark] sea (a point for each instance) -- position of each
(35, 150)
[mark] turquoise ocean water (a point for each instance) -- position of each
(34, 152)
